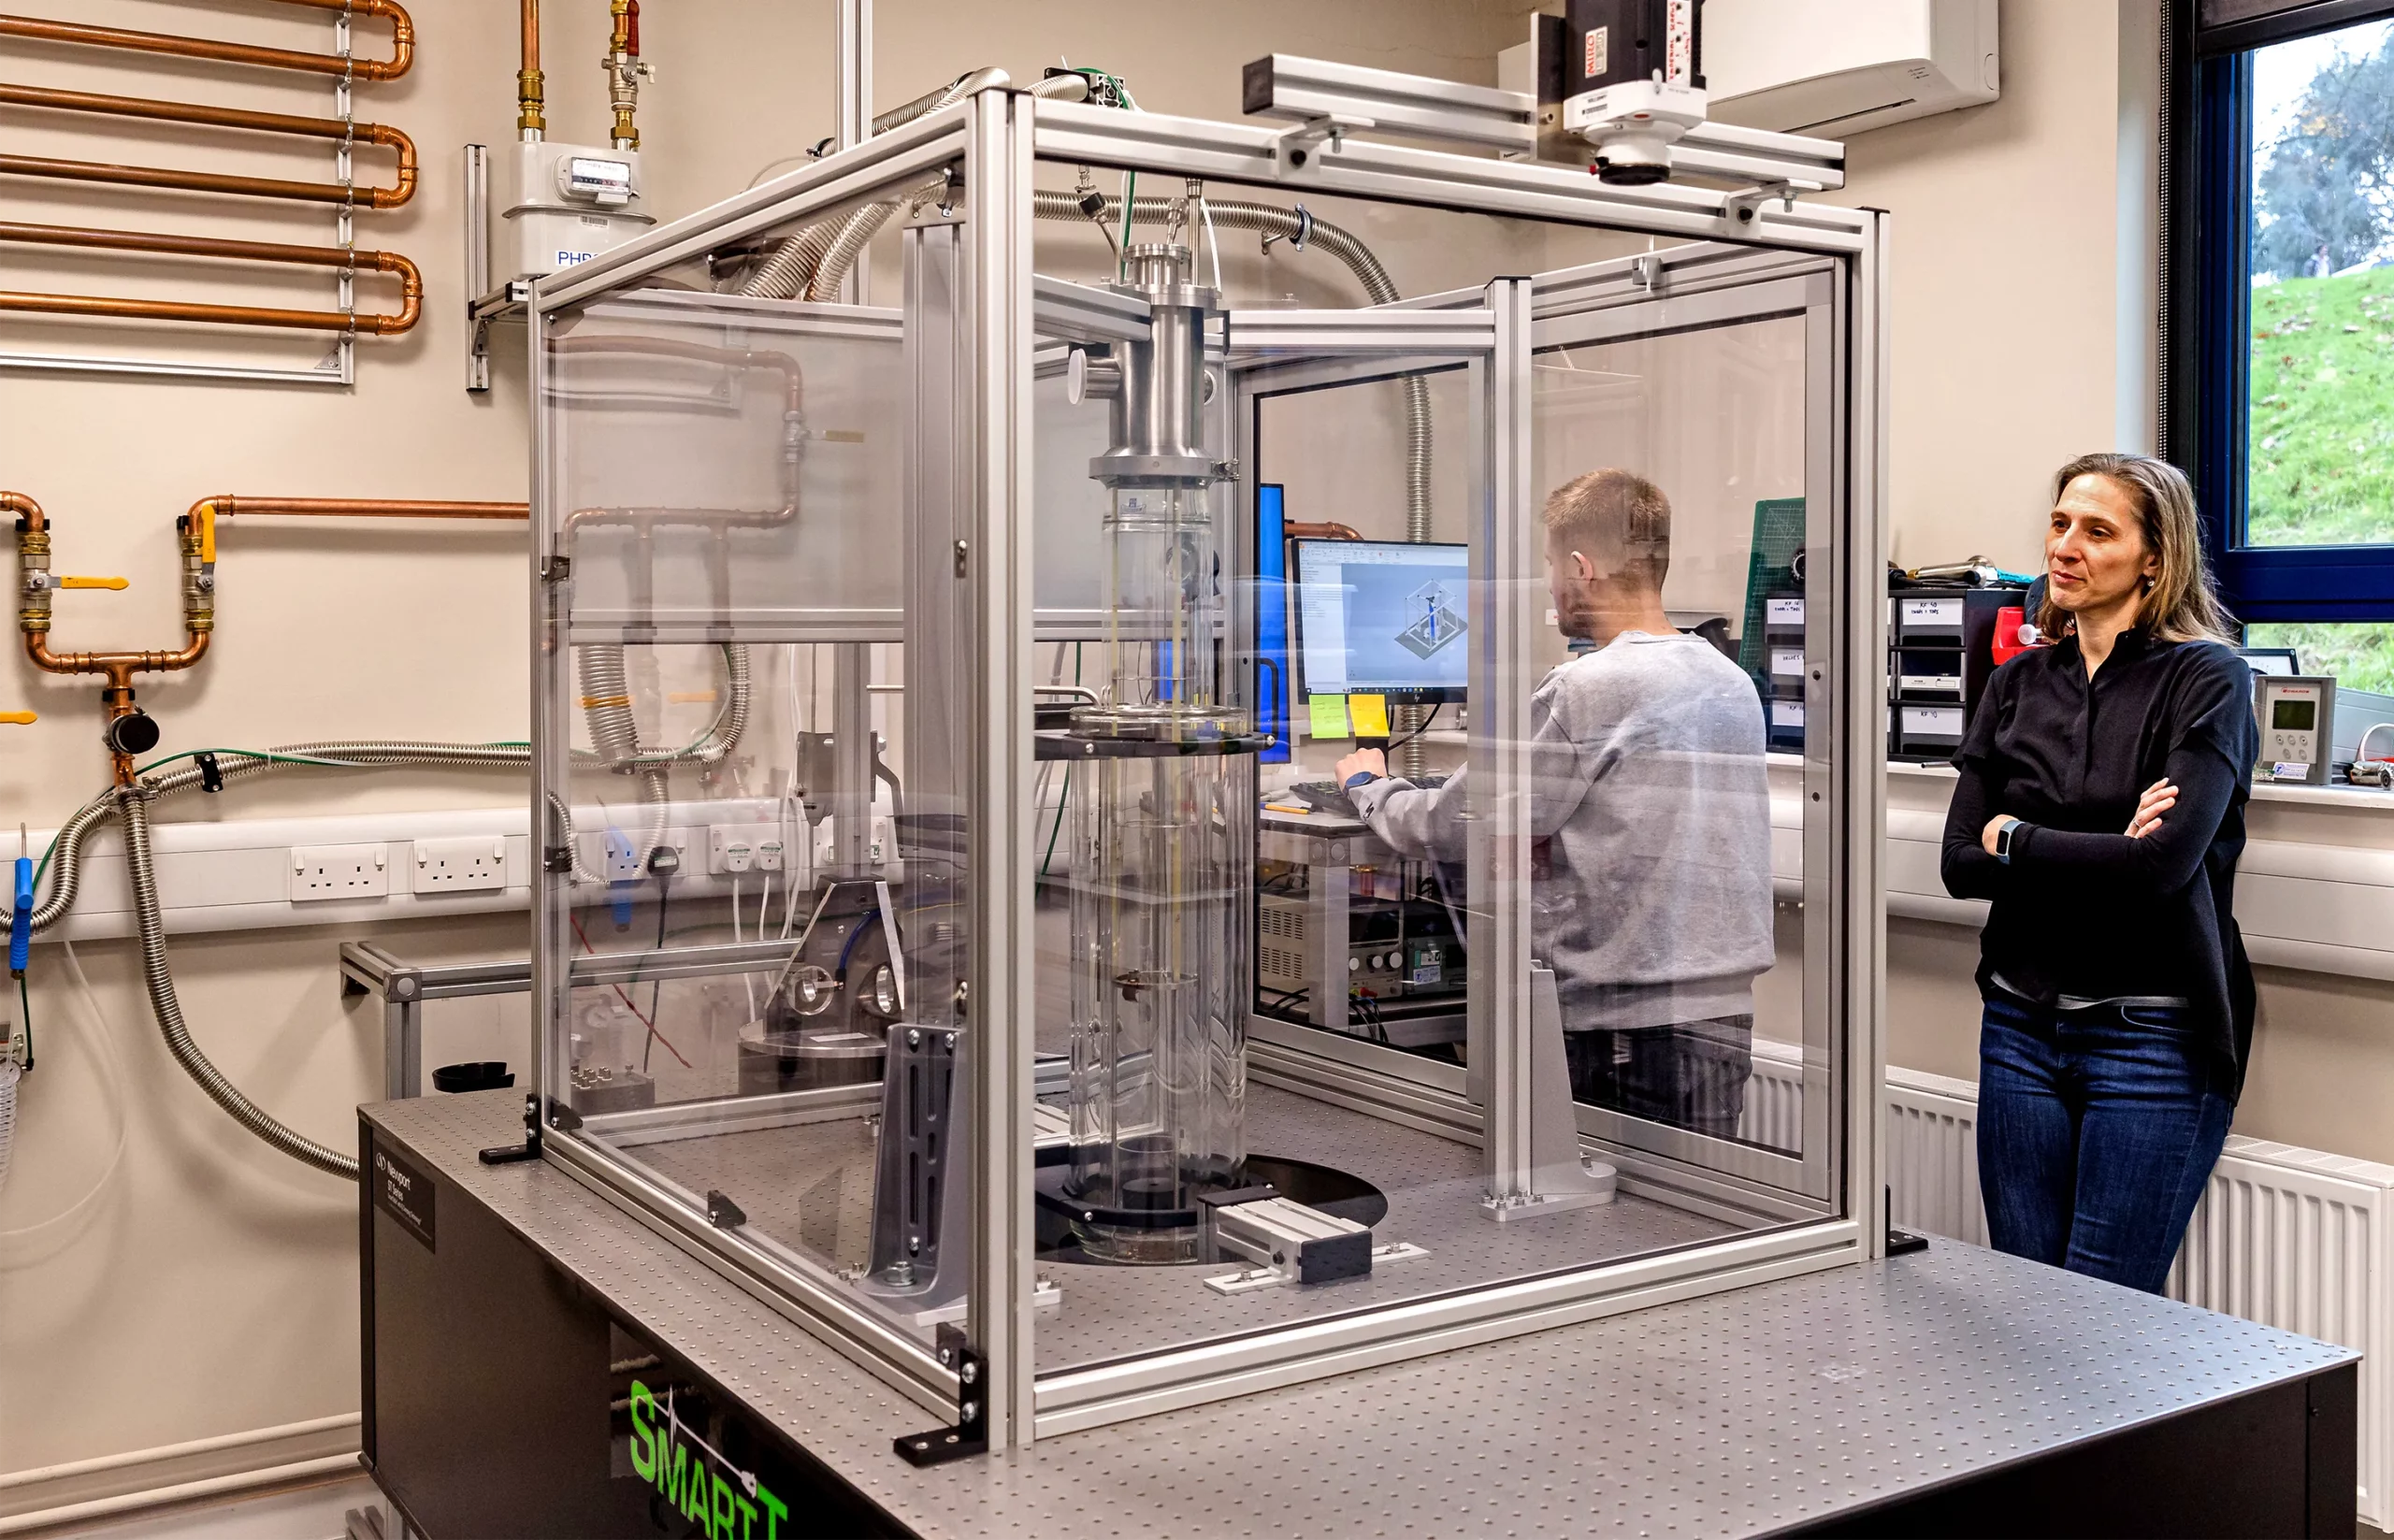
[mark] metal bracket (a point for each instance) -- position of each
(970, 1433)
(1744, 206)
(1293, 148)
(1645, 271)
(508, 1155)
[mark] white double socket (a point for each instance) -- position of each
(736, 848)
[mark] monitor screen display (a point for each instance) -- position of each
(2293, 715)
(1383, 618)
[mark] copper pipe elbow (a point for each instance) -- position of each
(28, 514)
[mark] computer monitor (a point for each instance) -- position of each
(1384, 618)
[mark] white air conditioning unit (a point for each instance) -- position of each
(1835, 67)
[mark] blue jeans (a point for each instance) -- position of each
(2098, 1130)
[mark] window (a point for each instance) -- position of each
(2291, 437)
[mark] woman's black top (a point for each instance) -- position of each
(2082, 910)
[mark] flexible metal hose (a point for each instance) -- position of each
(131, 807)
(791, 269)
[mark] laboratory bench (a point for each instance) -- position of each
(539, 1361)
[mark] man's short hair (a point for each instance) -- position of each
(1618, 519)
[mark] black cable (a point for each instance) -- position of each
(25, 1005)
(656, 989)
(1436, 706)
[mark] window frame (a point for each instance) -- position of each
(2209, 436)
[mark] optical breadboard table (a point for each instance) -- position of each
(517, 1327)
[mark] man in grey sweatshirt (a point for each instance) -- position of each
(1651, 876)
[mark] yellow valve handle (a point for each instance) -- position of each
(19, 719)
(92, 582)
(208, 533)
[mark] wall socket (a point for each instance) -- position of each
(735, 848)
(473, 863)
(340, 872)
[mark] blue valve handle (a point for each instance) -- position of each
(21, 917)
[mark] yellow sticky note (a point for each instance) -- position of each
(1329, 715)
(1370, 714)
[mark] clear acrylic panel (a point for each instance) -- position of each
(1683, 454)
(760, 763)
(1323, 1070)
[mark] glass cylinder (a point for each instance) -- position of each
(1162, 848)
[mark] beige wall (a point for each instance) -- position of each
(211, 1287)
(2021, 306)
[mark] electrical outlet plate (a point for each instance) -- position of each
(736, 848)
(319, 873)
(473, 863)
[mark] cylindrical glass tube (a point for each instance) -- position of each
(1162, 866)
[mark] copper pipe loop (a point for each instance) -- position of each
(393, 196)
(355, 508)
(402, 42)
(411, 280)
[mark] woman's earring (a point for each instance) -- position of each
(2148, 582)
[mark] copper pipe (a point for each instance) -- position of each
(213, 117)
(34, 620)
(411, 280)
(527, 74)
(623, 71)
(402, 42)
(1320, 532)
(357, 508)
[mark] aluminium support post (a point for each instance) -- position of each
(1503, 672)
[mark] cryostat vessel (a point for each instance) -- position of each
(1162, 817)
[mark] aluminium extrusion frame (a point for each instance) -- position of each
(999, 137)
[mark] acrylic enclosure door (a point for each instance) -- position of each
(756, 919)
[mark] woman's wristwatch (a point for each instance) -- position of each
(1361, 778)
(2003, 840)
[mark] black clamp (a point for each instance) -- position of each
(1901, 1243)
(970, 1434)
(212, 774)
(723, 1212)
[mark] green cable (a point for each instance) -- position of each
(1129, 198)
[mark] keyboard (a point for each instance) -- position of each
(1325, 797)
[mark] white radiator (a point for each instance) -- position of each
(2290, 1238)
(1933, 1156)
(1773, 1114)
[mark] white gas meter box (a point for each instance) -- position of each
(563, 205)
(1835, 68)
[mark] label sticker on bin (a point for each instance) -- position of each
(1786, 713)
(1328, 716)
(1783, 612)
(1787, 660)
(1369, 713)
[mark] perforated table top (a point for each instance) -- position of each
(1743, 1413)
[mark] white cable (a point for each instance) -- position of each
(748, 980)
(112, 1090)
(1213, 241)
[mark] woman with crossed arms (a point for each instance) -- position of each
(2101, 810)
